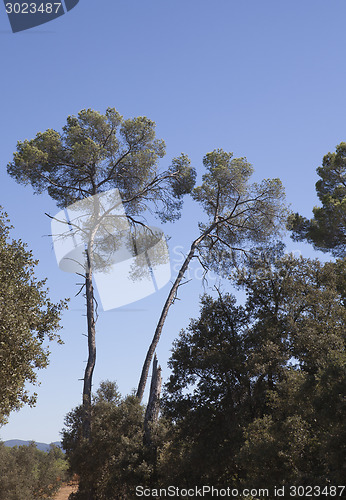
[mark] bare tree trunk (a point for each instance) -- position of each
(89, 294)
(151, 418)
(159, 327)
(153, 407)
(168, 303)
(91, 352)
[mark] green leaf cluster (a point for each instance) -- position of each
(113, 461)
(27, 319)
(257, 392)
(97, 152)
(327, 229)
(241, 214)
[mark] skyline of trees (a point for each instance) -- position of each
(257, 388)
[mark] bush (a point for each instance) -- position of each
(113, 462)
(27, 473)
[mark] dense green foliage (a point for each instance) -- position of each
(27, 319)
(257, 393)
(327, 230)
(112, 462)
(27, 473)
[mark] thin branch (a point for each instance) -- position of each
(80, 290)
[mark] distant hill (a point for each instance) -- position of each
(40, 446)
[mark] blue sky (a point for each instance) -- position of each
(265, 80)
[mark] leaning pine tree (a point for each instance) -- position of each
(240, 214)
(94, 154)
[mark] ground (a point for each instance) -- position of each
(65, 491)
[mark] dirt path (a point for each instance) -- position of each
(65, 491)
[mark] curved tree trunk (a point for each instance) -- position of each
(168, 303)
(156, 338)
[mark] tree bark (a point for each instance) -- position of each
(153, 407)
(91, 351)
(168, 303)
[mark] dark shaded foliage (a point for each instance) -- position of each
(327, 229)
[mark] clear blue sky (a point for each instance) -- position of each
(265, 80)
